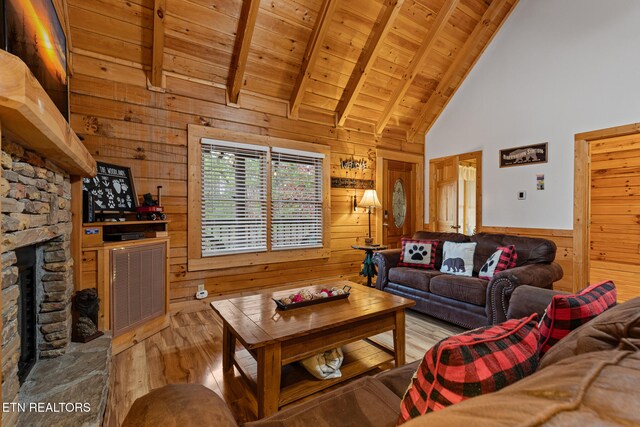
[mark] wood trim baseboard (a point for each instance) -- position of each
(521, 231)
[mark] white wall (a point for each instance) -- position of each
(556, 68)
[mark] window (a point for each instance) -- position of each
(255, 200)
(234, 198)
(296, 199)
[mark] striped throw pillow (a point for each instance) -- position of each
(470, 364)
(568, 312)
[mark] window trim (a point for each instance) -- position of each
(195, 260)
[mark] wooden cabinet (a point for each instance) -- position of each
(132, 278)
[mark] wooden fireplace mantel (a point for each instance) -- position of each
(27, 112)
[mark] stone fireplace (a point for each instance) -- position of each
(40, 152)
(36, 217)
(40, 365)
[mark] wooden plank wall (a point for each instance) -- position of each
(564, 254)
(615, 214)
(125, 123)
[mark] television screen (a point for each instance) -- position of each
(32, 31)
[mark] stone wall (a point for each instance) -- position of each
(35, 196)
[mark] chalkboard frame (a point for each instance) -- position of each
(129, 181)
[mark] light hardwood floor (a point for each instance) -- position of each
(190, 351)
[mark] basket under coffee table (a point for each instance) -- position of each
(273, 339)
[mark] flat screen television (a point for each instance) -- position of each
(31, 30)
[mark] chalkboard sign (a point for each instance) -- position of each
(112, 189)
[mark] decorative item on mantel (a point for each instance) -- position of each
(370, 201)
(86, 305)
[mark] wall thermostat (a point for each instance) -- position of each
(522, 195)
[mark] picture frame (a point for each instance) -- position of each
(112, 190)
(33, 31)
(524, 155)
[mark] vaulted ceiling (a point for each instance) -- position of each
(389, 64)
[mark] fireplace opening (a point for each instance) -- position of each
(27, 304)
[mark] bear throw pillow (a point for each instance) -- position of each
(457, 258)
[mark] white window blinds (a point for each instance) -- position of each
(296, 199)
(234, 198)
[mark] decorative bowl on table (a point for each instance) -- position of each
(306, 297)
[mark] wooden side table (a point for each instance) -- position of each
(368, 267)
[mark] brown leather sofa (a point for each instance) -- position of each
(589, 378)
(470, 302)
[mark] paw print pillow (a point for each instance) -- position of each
(418, 253)
(503, 258)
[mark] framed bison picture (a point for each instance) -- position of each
(526, 155)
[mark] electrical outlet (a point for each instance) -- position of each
(522, 195)
(201, 287)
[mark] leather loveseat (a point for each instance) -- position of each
(470, 302)
(589, 378)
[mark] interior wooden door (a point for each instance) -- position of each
(469, 191)
(614, 234)
(445, 185)
(446, 214)
(397, 204)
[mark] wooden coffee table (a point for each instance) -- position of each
(273, 339)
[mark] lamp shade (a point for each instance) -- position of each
(370, 200)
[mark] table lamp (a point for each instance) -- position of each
(369, 201)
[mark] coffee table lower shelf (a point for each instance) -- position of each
(296, 383)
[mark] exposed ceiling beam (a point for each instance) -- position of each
(417, 62)
(246, 25)
(464, 56)
(314, 47)
(159, 9)
(382, 26)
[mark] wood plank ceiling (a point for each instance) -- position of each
(384, 66)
